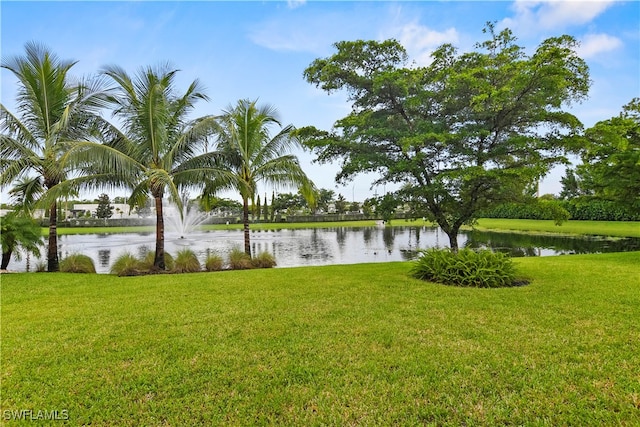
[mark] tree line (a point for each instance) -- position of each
(59, 143)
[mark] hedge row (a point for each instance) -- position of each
(577, 209)
(600, 210)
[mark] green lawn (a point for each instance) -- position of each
(336, 345)
(600, 228)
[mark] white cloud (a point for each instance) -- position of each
(421, 41)
(293, 4)
(304, 33)
(533, 16)
(594, 44)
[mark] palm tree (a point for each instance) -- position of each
(250, 155)
(158, 152)
(54, 113)
(18, 230)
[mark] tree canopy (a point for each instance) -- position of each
(465, 133)
(54, 114)
(610, 154)
(249, 153)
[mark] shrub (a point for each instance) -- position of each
(186, 262)
(147, 262)
(591, 209)
(77, 263)
(535, 209)
(482, 269)
(263, 260)
(213, 263)
(127, 265)
(238, 260)
(41, 267)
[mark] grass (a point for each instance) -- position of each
(600, 228)
(336, 345)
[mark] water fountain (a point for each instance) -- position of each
(183, 222)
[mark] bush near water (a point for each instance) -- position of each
(468, 268)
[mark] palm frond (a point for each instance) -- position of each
(26, 192)
(12, 127)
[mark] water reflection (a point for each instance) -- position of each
(518, 245)
(336, 245)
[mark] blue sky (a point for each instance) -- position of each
(260, 49)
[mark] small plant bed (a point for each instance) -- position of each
(468, 268)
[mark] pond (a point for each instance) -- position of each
(323, 246)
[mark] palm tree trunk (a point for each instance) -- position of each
(52, 251)
(158, 261)
(245, 219)
(6, 257)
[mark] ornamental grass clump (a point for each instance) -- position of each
(77, 263)
(214, 262)
(469, 268)
(263, 260)
(148, 261)
(239, 260)
(127, 265)
(186, 262)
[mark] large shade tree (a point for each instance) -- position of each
(251, 153)
(156, 151)
(465, 133)
(53, 115)
(610, 153)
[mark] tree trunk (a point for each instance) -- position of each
(451, 230)
(53, 263)
(158, 261)
(245, 220)
(453, 239)
(6, 257)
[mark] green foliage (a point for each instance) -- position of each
(534, 209)
(104, 209)
(610, 153)
(159, 150)
(148, 261)
(17, 232)
(288, 203)
(594, 209)
(249, 153)
(186, 261)
(464, 133)
(324, 198)
(53, 118)
(341, 204)
(265, 209)
(214, 262)
(127, 265)
(468, 268)
(386, 207)
(239, 260)
(77, 263)
(263, 260)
